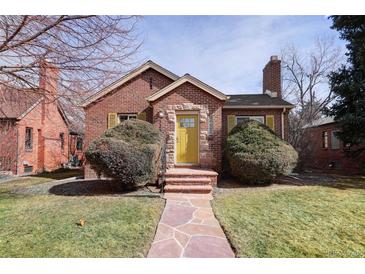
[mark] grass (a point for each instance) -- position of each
(308, 221)
(20, 182)
(47, 225)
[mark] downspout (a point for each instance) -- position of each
(17, 149)
(282, 124)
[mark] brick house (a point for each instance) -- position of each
(34, 131)
(194, 116)
(326, 152)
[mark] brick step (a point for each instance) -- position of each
(188, 181)
(188, 189)
(179, 172)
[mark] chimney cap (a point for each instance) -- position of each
(274, 58)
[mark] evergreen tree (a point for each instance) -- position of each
(348, 83)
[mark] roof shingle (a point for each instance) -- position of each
(14, 103)
(252, 100)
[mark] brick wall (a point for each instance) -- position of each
(46, 153)
(272, 76)
(8, 141)
(128, 98)
(257, 112)
(194, 99)
(318, 158)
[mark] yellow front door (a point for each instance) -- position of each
(187, 139)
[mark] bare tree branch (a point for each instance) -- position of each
(305, 82)
(89, 51)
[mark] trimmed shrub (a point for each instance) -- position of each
(256, 155)
(129, 152)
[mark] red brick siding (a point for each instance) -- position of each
(8, 138)
(272, 77)
(128, 98)
(318, 158)
(257, 112)
(52, 126)
(188, 93)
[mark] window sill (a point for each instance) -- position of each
(28, 150)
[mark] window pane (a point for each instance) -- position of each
(124, 117)
(258, 119)
(242, 119)
(325, 139)
(335, 142)
(28, 138)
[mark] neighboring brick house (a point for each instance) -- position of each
(324, 151)
(34, 132)
(194, 116)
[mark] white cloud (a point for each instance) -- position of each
(227, 52)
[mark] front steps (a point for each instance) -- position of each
(190, 180)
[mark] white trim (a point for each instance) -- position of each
(126, 78)
(257, 107)
(192, 80)
(29, 109)
(282, 124)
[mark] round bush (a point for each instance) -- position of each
(129, 152)
(256, 155)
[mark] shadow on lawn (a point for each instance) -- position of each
(89, 188)
(303, 179)
(61, 173)
(326, 180)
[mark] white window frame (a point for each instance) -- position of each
(128, 115)
(261, 117)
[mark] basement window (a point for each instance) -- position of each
(28, 138)
(28, 169)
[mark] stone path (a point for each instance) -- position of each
(188, 228)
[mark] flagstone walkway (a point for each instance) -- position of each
(188, 228)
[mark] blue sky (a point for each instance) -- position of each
(227, 52)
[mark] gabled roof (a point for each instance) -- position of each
(16, 103)
(149, 64)
(320, 122)
(192, 80)
(73, 115)
(255, 101)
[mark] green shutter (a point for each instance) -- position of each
(112, 120)
(142, 116)
(231, 122)
(270, 122)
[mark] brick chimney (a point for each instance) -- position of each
(272, 77)
(48, 78)
(48, 83)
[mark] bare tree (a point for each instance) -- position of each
(305, 83)
(89, 51)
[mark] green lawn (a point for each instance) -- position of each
(47, 225)
(308, 221)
